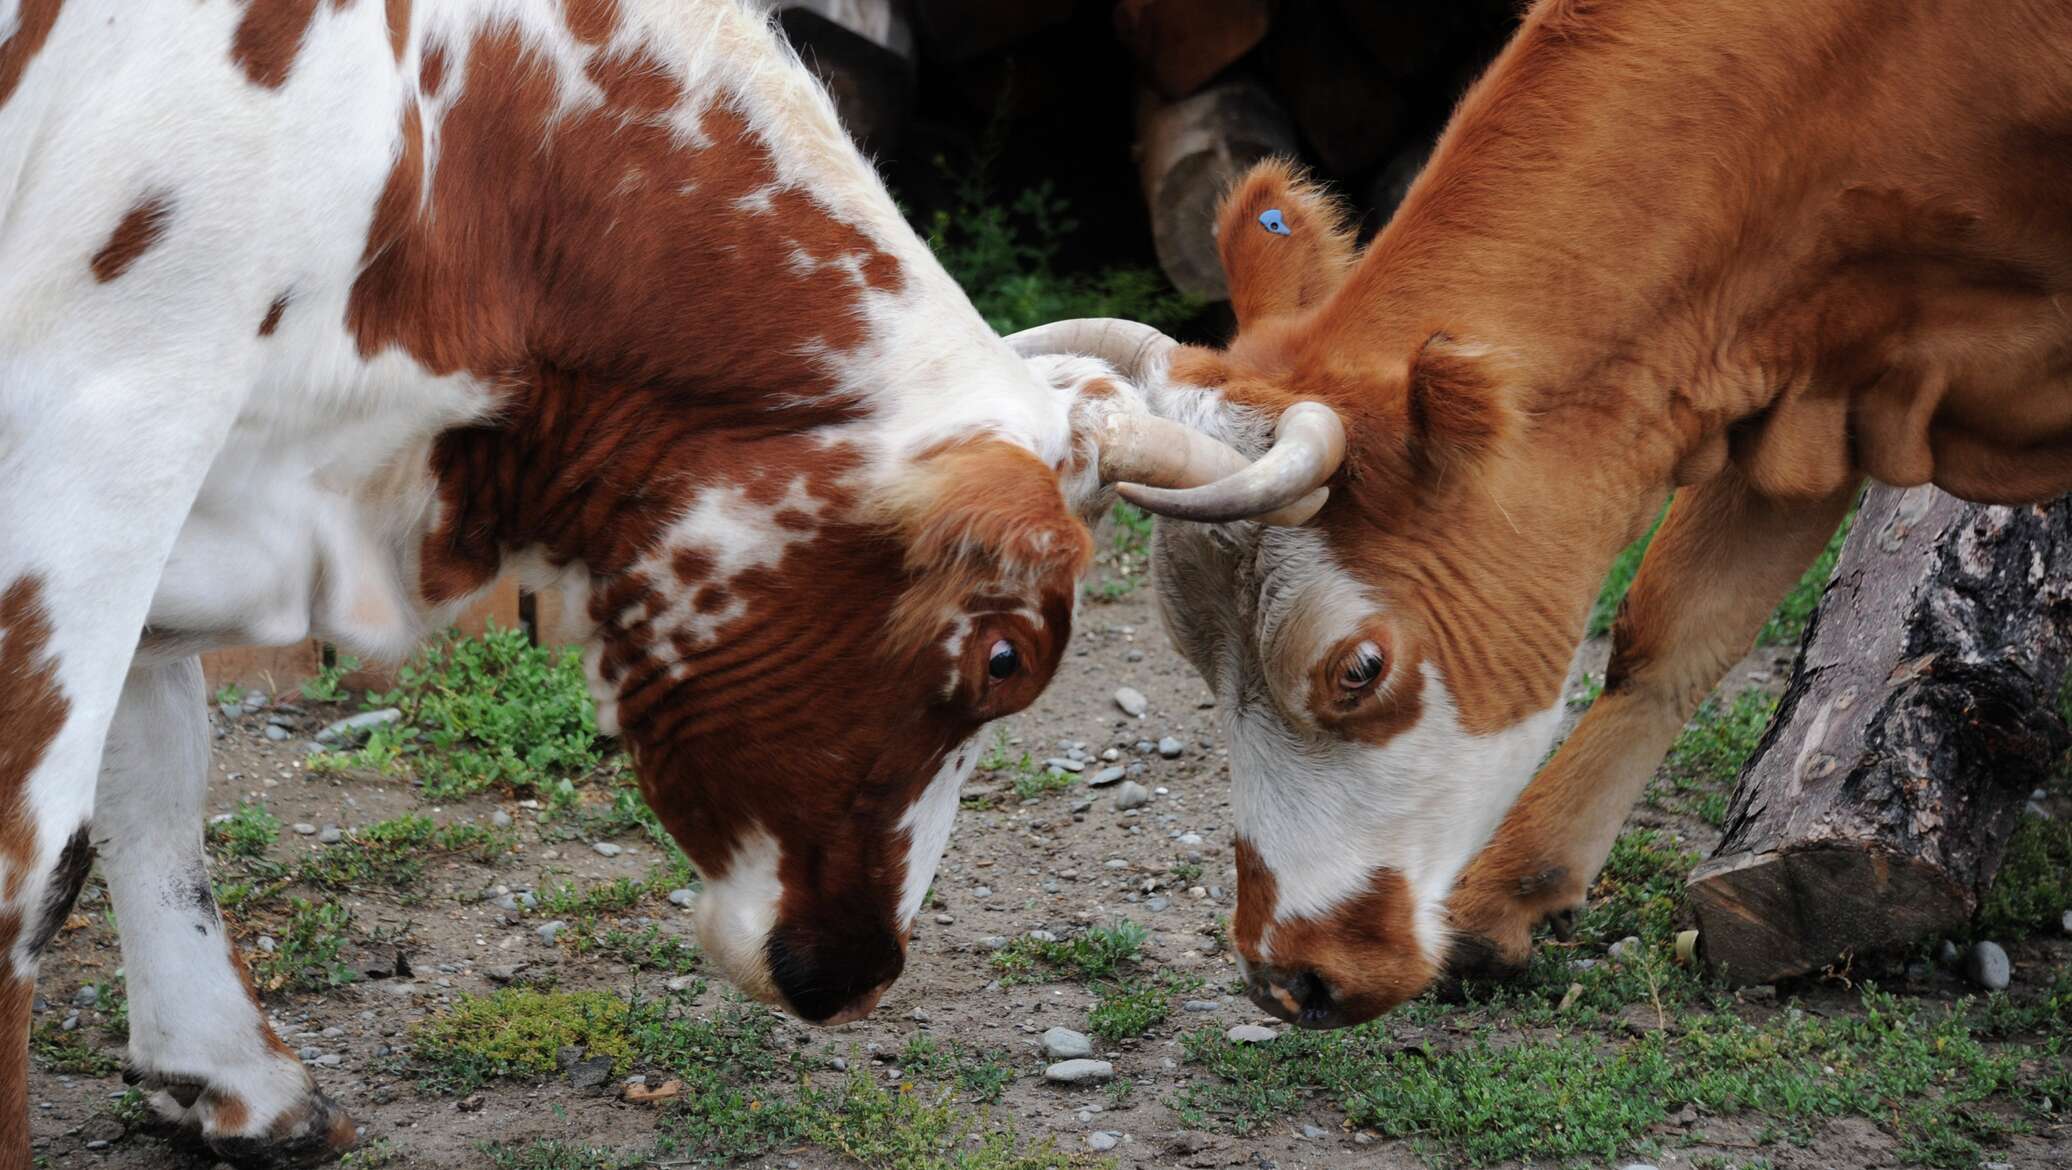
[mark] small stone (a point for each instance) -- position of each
(1170, 748)
(1042, 936)
(277, 733)
(86, 996)
(1105, 777)
(1625, 948)
(1988, 967)
(685, 896)
(2065, 923)
(309, 1053)
(837, 1063)
(1101, 1141)
(1065, 1044)
(355, 726)
(500, 819)
(549, 931)
(328, 1060)
(1190, 839)
(1131, 795)
(1250, 1034)
(266, 943)
(1132, 702)
(1156, 904)
(1947, 954)
(304, 828)
(992, 942)
(982, 891)
(1079, 1072)
(230, 710)
(330, 835)
(590, 1074)
(503, 974)
(607, 849)
(682, 983)
(1638, 1166)
(1065, 764)
(1111, 755)
(1313, 1132)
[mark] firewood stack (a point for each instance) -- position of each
(1354, 88)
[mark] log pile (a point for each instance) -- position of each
(1922, 711)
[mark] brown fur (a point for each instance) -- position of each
(269, 38)
(32, 28)
(1763, 248)
(16, 997)
(32, 710)
(272, 320)
(1367, 944)
(140, 227)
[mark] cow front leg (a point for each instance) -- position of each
(199, 1041)
(1711, 577)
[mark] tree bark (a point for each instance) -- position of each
(1192, 151)
(1184, 44)
(1920, 713)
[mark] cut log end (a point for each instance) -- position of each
(1768, 916)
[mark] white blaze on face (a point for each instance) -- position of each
(1325, 813)
(737, 911)
(927, 827)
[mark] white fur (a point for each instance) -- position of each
(927, 825)
(737, 911)
(161, 463)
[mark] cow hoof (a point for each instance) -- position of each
(318, 1132)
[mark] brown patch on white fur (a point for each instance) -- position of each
(269, 38)
(32, 711)
(32, 27)
(140, 228)
(1365, 951)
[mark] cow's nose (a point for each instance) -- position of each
(830, 985)
(1301, 997)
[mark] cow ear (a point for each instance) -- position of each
(988, 508)
(1285, 244)
(1454, 409)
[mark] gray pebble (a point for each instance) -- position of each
(309, 1053)
(1170, 748)
(1250, 1034)
(1947, 954)
(1134, 656)
(1104, 777)
(607, 849)
(1313, 1132)
(1199, 1005)
(1079, 1072)
(1065, 1044)
(328, 1060)
(1131, 795)
(1988, 967)
(500, 819)
(1189, 839)
(2065, 923)
(304, 828)
(1101, 1141)
(683, 897)
(1625, 948)
(590, 1074)
(682, 983)
(86, 996)
(266, 943)
(330, 835)
(355, 726)
(838, 1063)
(1065, 764)
(276, 732)
(1132, 701)
(1156, 904)
(549, 931)
(982, 891)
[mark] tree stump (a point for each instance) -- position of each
(1184, 44)
(1922, 710)
(1192, 151)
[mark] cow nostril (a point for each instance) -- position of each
(1300, 997)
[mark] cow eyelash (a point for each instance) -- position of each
(1361, 668)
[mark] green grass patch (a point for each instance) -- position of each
(981, 1077)
(485, 712)
(393, 853)
(519, 1033)
(554, 1155)
(308, 952)
(248, 832)
(1921, 1071)
(1127, 1008)
(1698, 775)
(1099, 952)
(2033, 887)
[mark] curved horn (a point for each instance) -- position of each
(1129, 346)
(1165, 468)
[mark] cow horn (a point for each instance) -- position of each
(1129, 346)
(1172, 470)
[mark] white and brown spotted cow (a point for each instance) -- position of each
(1754, 252)
(318, 315)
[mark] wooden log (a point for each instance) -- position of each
(276, 670)
(1191, 152)
(1349, 112)
(1183, 44)
(960, 30)
(1920, 713)
(863, 51)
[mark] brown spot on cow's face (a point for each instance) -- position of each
(272, 320)
(1341, 968)
(33, 23)
(32, 710)
(269, 38)
(140, 227)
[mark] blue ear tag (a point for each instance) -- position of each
(1271, 220)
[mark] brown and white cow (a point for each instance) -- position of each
(316, 317)
(1750, 252)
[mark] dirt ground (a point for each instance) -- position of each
(1058, 862)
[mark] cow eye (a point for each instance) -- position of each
(1003, 661)
(1362, 667)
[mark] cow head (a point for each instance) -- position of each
(1387, 672)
